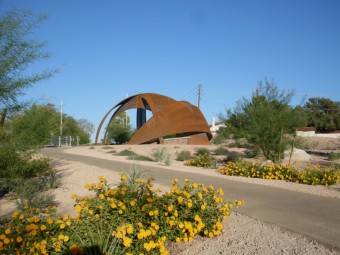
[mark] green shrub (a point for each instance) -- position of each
(253, 152)
(183, 155)
(159, 154)
(221, 151)
(162, 155)
(107, 147)
(126, 153)
(16, 164)
(202, 151)
(140, 158)
(30, 193)
(334, 156)
(219, 139)
(51, 180)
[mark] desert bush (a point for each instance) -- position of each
(202, 150)
(140, 158)
(30, 193)
(221, 151)
(19, 165)
(51, 180)
(107, 147)
(183, 155)
(25, 178)
(252, 152)
(202, 160)
(313, 175)
(334, 156)
(112, 151)
(127, 153)
(219, 139)
(128, 218)
(162, 155)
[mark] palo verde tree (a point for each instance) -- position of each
(265, 120)
(323, 114)
(18, 52)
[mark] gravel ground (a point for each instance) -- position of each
(244, 235)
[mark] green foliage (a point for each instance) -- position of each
(31, 193)
(313, 175)
(94, 238)
(119, 130)
(265, 120)
(51, 180)
(334, 156)
(127, 153)
(252, 152)
(118, 134)
(221, 151)
(323, 114)
(162, 155)
(36, 125)
(183, 155)
(140, 158)
(18, 166)
(202, 160)
(129, 217)
(19, 51)
(134, 156)
(71, 127)
(220, 137)
(202, 151)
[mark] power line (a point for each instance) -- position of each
(189, 94)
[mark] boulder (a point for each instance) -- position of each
(298, 155)
(266, 163)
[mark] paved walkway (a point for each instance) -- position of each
(314, 216)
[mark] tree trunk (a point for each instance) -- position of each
(280, 145)
(291, 151)
(3, 117)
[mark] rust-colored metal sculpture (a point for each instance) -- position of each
(170, 117)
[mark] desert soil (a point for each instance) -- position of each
(241, 234)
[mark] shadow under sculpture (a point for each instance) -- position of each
(169, 117)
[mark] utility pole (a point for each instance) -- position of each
(199, 95)
(61, 118)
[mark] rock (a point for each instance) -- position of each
(298, 155)
(266, 163)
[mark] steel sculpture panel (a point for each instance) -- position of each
(169, 117)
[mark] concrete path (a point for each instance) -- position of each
(314, 216)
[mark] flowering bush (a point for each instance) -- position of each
(202, 160)
(313, 175)
(129, 218)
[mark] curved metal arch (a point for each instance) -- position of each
(169, 117)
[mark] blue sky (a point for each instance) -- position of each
(106, 50)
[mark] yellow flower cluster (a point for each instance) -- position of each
(313, 175)
(33, 231)
(202, 160)
(131, 214)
